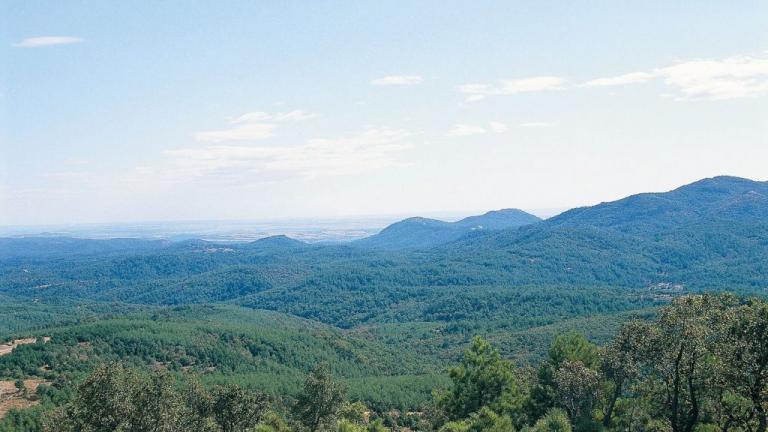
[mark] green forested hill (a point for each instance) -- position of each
(266, 350)
(570, 266)
(721, 198)
(388, 322)
(419, 233)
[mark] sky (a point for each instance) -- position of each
(114, 111)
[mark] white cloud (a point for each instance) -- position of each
(630, 78)
(497, 127)
(257, 116)
(532, 84)
(374, 148)
(252, 126)
(397, 80)
(41, 41)
(461, 130)
(295, 115)
(535, 125)
(252, 117)
(479, 89)
(476, 91)
(729, 78)
(244, 132)
(474, 98)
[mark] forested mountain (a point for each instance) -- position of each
(498, 219)
(387, 320)
(349, 285)
(718, 199)
(695, 236)
(418, 232)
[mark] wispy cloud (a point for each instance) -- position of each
(462, 130)
(735, 77)
(497, 127)
(252, 126)
(729, 78)
(535, 125)
(397, 80)
(374, 148)
(476, 91)
(243, 132)
(630, 78)
(42, 41)
(255, 116)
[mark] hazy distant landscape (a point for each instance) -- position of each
(325, 216)
(393, 308)
(307, 230)
(334, 230)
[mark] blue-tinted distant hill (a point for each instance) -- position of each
(51, 247)
(725, 199)
(418, 232)
(280, 242)
(711, 234)
(498, 219)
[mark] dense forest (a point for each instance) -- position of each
(604, 317)
(701, 363)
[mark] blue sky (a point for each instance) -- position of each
(130, 111)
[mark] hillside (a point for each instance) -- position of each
(718, 199)
(267, 350)
(498, 220)
(418, 232)
(714, 247)
(387, 320)
(695, 236)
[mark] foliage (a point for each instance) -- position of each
(555, 420)
(319, 403)
(236, 409)
(482, 379)
(579, 388)
(387, 323)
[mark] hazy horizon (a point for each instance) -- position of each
(318, 229)
(274, 111)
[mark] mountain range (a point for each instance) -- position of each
(705, 235)
(419, 232)
(420, 288)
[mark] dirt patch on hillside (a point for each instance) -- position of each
(13, 398)
(10, 404)
(8, 348)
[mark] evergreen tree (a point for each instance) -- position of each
(320, 401)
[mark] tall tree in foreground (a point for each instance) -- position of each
(320, 401)
(744, 354)
(620, 363)
(236, 409)
(555, 420)
(680, 356)
(115, 398)
(579, 389)
(568, 347)
(482, 379)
